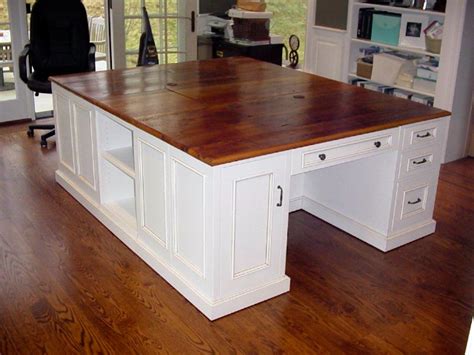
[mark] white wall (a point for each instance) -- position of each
(458, 137)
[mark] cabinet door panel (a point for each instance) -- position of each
(86, 147)
(189, 208)
(64, 125)
(254, 215)
(152, 191)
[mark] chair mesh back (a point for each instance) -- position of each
(59, 37)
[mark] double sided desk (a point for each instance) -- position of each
(195, 167)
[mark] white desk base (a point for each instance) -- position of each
(219, 234)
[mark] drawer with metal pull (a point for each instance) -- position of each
(414, 162)
(414, 202)
(342, 150)
(424, 134)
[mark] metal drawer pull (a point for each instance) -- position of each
(414, 203)
(279, 204)
(377, 144)
(420, 162)
(322, 156)
(426, 135)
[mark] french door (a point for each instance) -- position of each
(173, 27)
(16, 101)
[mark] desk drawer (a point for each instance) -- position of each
(414, 202)
(342, 150)
(424, 134)
(415, 162)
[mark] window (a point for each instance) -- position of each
(289, 17)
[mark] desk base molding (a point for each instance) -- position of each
(363, 232)
(211, 309)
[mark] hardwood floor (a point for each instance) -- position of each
(68, 285)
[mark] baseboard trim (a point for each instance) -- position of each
(15, 122)
(212, 309)
(382, 242)
(296, 204)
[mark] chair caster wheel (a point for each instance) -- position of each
(30, 133)
(44, 144)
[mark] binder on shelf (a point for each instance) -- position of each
(386, 27)
(364, 26)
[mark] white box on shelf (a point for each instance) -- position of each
(387, 67)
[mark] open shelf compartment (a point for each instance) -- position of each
(116, 144)
(118, 194)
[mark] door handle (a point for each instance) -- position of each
(415, 202)
(279, 204)
(426, 135)
(193, 21)
(420, 162)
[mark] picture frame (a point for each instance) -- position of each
(412, 31)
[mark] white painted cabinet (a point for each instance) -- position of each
(77, 142)
(65, 132)
(192, 217)
(85, 147)
(254, 219)
(152, 195)
(325, 52)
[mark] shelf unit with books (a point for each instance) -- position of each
(332, 53)
(355, 44)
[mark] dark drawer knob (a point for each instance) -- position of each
(322, 156)
(377, 144)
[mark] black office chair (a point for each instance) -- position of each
(59, 44)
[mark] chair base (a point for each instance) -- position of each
(44, 137)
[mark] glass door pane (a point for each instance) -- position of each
(98, 32)
(171, 23)
(16, 101)
(7, 72)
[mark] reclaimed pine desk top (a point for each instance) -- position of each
(224, 110)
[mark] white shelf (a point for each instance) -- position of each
(395, 86)
(121, 158)
(407, 10)
(124, 209)
(398, 48)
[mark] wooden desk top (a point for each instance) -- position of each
(231, 109)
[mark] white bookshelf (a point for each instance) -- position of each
(332, 53)
(354, 43)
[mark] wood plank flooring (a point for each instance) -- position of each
(67, 285)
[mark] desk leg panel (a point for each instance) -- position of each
(211, 308)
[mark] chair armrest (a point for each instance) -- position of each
(22, 63)
(91, 57)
